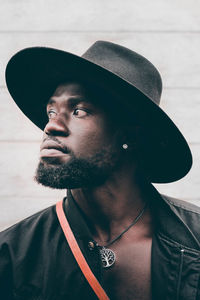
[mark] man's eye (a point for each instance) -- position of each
(80, 113)
(51, 114)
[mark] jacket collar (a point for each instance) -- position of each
(76, 218)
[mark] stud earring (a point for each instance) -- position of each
(125, 146)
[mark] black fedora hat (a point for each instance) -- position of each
(134, 83)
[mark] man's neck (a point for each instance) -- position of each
(112, 207)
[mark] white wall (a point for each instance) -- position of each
(166, 32)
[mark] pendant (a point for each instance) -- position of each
(107, 257)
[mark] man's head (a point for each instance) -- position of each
(135, 86)
(82, 144)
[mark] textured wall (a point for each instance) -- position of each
(166, 32)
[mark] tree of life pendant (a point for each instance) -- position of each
(107, 257)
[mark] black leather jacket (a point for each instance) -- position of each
(36, 262)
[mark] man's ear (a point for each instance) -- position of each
(130, 135)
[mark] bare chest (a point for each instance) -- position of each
(130, 277)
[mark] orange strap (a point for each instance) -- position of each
(94, 283)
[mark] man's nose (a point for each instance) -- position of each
(56, 127)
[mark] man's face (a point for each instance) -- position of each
(79, 146)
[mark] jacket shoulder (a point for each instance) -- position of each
(182, 205)
(28, 227)
(188, 215)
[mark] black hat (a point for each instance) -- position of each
(33, 74)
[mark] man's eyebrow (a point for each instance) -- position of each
(72, 101)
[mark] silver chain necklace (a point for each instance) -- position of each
(108, 256)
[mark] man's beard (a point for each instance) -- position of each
(78, 172)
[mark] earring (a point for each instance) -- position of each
(125, 146)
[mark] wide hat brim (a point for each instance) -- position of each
(33, 74)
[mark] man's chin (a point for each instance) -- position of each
(75, 174)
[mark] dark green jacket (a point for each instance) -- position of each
(37, 264)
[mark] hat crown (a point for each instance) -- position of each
(129, 65)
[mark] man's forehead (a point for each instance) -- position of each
(75, 92)
(73, 87)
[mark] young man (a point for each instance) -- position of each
(105, 140)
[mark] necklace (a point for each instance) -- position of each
(108, 256)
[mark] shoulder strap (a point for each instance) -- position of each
(92, 280)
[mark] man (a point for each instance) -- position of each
(105, 141)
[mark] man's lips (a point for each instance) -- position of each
(51, 148)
